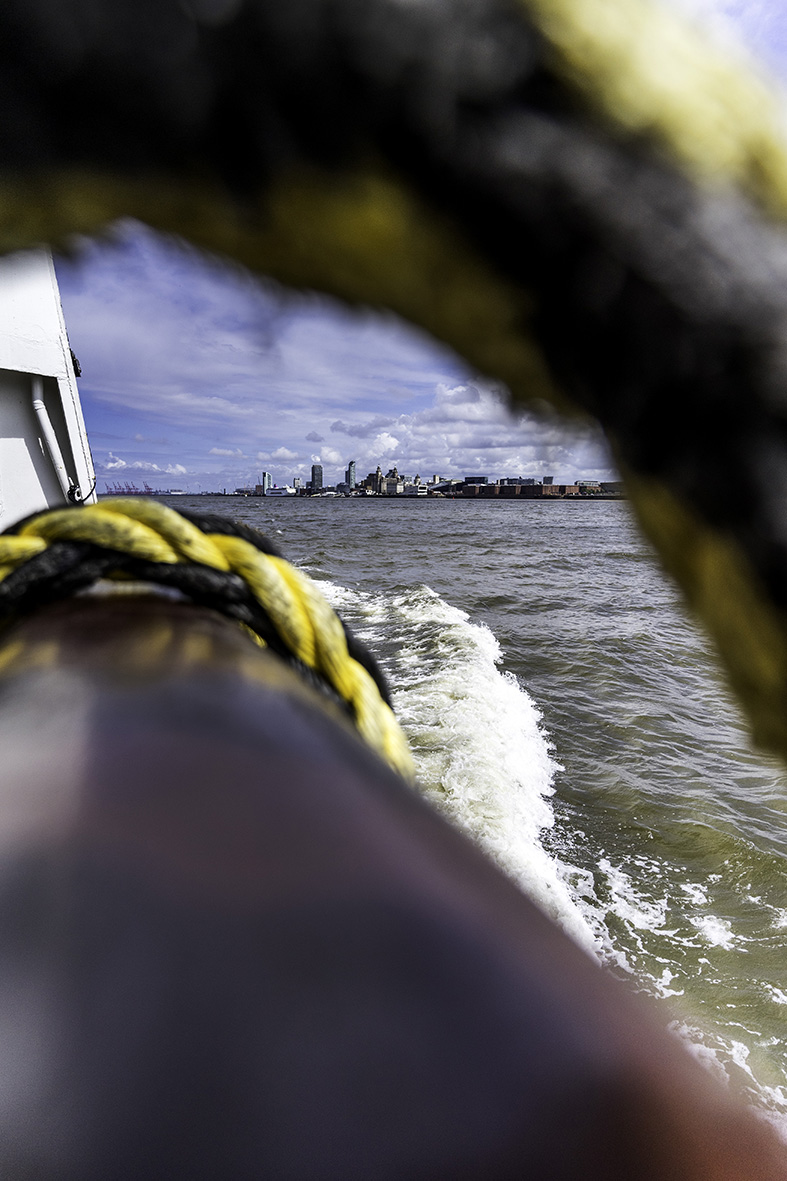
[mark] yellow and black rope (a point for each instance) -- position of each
(216, 563)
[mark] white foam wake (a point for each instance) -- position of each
(482, 756)
(485, 760)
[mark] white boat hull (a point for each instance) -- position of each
(45, 458)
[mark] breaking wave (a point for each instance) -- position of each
(482, 755)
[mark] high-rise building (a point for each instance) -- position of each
(316, 477)
(266, 482)
(349, 475)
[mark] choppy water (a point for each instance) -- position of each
(566, 713)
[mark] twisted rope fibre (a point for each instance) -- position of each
(223, 565)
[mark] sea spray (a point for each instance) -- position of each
(662, 799)
(482, 755)
(485, 760)
(664, 935)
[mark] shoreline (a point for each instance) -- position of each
(372, 499)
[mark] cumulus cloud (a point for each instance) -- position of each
(115, 464)
(468, 429)
(279, 455)
(178, 348)
(384, 445)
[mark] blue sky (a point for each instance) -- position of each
(198, 376)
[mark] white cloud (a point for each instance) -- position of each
(116, 464)
(203, 350)
(468, 429)
(387, 445)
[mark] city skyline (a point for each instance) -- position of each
(196, 375)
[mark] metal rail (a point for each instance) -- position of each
(69, 488)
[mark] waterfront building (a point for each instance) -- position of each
(374, 481)
(267, 481)
(476, 480)
(349, 475)
(316, 480)
(558, 490)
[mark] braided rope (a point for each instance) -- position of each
(304, 623)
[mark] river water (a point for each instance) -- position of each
(565, 711)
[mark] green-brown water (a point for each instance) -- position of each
(634, 808)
